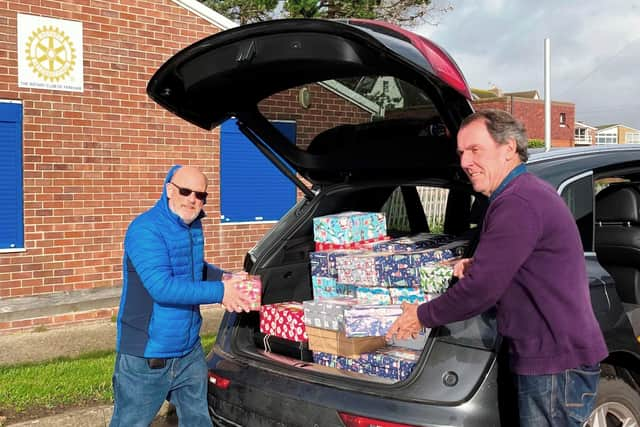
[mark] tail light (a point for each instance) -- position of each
(218, 381)
(351, 420)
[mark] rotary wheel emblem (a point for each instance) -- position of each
(51, 54)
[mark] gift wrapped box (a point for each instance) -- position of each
(416, 343)
(370, 295)
(369, 320)
(346, 229)
(284, 320)
(327, 287)
(457, 248)
(376, 269)
(413, 243)
(250, 285)
(388, 362)
(336, 342)
(434, 277)
(410, 295)
(392, 362)
(323, 263)
(326, 314)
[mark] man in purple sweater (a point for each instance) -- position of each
(529, 264)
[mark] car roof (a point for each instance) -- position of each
(559, 165)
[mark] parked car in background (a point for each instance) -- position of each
(383, 164)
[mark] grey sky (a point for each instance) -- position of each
(595, 51)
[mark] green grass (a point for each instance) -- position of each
(61, 382)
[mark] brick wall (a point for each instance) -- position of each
(94, 160)
(531, 113)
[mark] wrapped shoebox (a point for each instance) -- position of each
(369, 295)
(416, 343)
(327, 287)
(336, 342)
(393, 363)
(412, 243)
(323, 263)
(251, 285)
(410, 295)
(284, 320)
(457, 248)
(377, 269)
(344, 230)
(435, 277)
(328, 313)
(369, 320)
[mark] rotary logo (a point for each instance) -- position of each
(50, 54)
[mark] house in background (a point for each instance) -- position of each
(527, 107)
(583, 134)
(616, 134)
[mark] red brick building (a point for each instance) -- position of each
(529, 108)
(93, 159)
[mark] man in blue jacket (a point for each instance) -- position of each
(529, 263)
(165, 279)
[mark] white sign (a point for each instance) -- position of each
(50, 53)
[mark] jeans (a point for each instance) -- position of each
(558, 400)
(139, 391)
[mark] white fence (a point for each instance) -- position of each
(434, 202)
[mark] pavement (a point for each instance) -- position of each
(70, 341)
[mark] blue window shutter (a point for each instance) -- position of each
(11, 214)
(251, 187)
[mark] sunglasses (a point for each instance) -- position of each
(186, 192)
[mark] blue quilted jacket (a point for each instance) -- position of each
(164, 281)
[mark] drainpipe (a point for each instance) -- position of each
(547, 95)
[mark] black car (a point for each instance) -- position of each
(387, 162)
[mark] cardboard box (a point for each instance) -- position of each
(335, 342)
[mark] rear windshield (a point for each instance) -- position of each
(315, 108)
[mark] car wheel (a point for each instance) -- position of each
(617, 405)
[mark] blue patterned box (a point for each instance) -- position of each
(412, 243)
(410, 295)
(457, 247)
(393, 363)
(323, 263)
(349, 227)
(326, 287)
(429, 256)
(377, 269)
(369, 320)
(370, 295)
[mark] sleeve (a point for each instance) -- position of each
(511, 230)
(212, 272)
(148, 253)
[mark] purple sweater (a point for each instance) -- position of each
(529, 263)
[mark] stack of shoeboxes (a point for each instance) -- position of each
(360, 277)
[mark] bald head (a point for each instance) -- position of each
(191, 181)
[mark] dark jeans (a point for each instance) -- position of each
(139, 390)
(558, 400)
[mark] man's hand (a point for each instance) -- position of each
(233, 298)
(461, 267)
(407, 325)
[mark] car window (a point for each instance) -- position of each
(578, 195)
(334, 105)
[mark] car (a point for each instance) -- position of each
(388, 161)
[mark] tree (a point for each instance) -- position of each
(401, 12)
